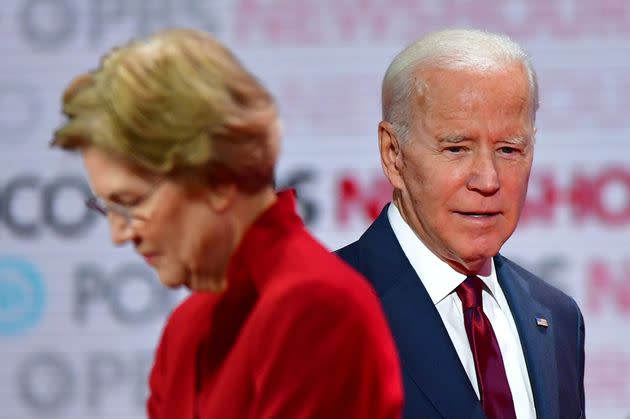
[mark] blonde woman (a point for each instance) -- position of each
(179, 143)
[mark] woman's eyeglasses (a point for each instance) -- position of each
(125, 212)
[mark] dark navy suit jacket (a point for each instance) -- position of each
(435, 383)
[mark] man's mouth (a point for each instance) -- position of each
(478, 214)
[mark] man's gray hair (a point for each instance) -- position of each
(455, 49)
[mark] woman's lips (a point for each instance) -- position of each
(150, 258)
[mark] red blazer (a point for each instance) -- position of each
(297, 334)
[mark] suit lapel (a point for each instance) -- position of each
(537, 341)
(425, 349)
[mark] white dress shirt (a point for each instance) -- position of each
(440, 281)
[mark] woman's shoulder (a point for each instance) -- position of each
(333, 288)
(185, 317)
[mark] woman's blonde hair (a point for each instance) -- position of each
(176, 101)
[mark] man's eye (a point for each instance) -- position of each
(455, 149)
(508, 150)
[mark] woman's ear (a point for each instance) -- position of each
(222, 196)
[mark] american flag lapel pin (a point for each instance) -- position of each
(542, 322)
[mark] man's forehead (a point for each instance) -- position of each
(460, 91)
(511, 77)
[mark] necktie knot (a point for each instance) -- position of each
(469, 292)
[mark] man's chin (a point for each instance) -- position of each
(473, 263)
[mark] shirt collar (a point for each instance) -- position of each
(437, 276)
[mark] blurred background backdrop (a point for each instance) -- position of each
(79, 318)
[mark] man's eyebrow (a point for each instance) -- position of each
(457, 138)
(517, 139)
(452, 138)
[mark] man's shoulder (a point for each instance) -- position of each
(349, 253)
(538, 286)
(379, 233)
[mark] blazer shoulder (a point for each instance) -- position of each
(378, 237)
(329, 280)
(349, 253)
(188, 319)
(540, 288)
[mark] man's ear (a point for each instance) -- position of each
(222, 196)
(391, 158)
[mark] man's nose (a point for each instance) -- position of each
(484, 177)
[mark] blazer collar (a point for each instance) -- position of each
(425, 349)
(537, 340)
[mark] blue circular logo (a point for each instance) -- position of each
(22, 296)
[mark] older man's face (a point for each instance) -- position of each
(464, 170)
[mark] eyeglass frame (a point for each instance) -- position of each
(103, 207)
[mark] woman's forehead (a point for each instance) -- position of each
(106, 171)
